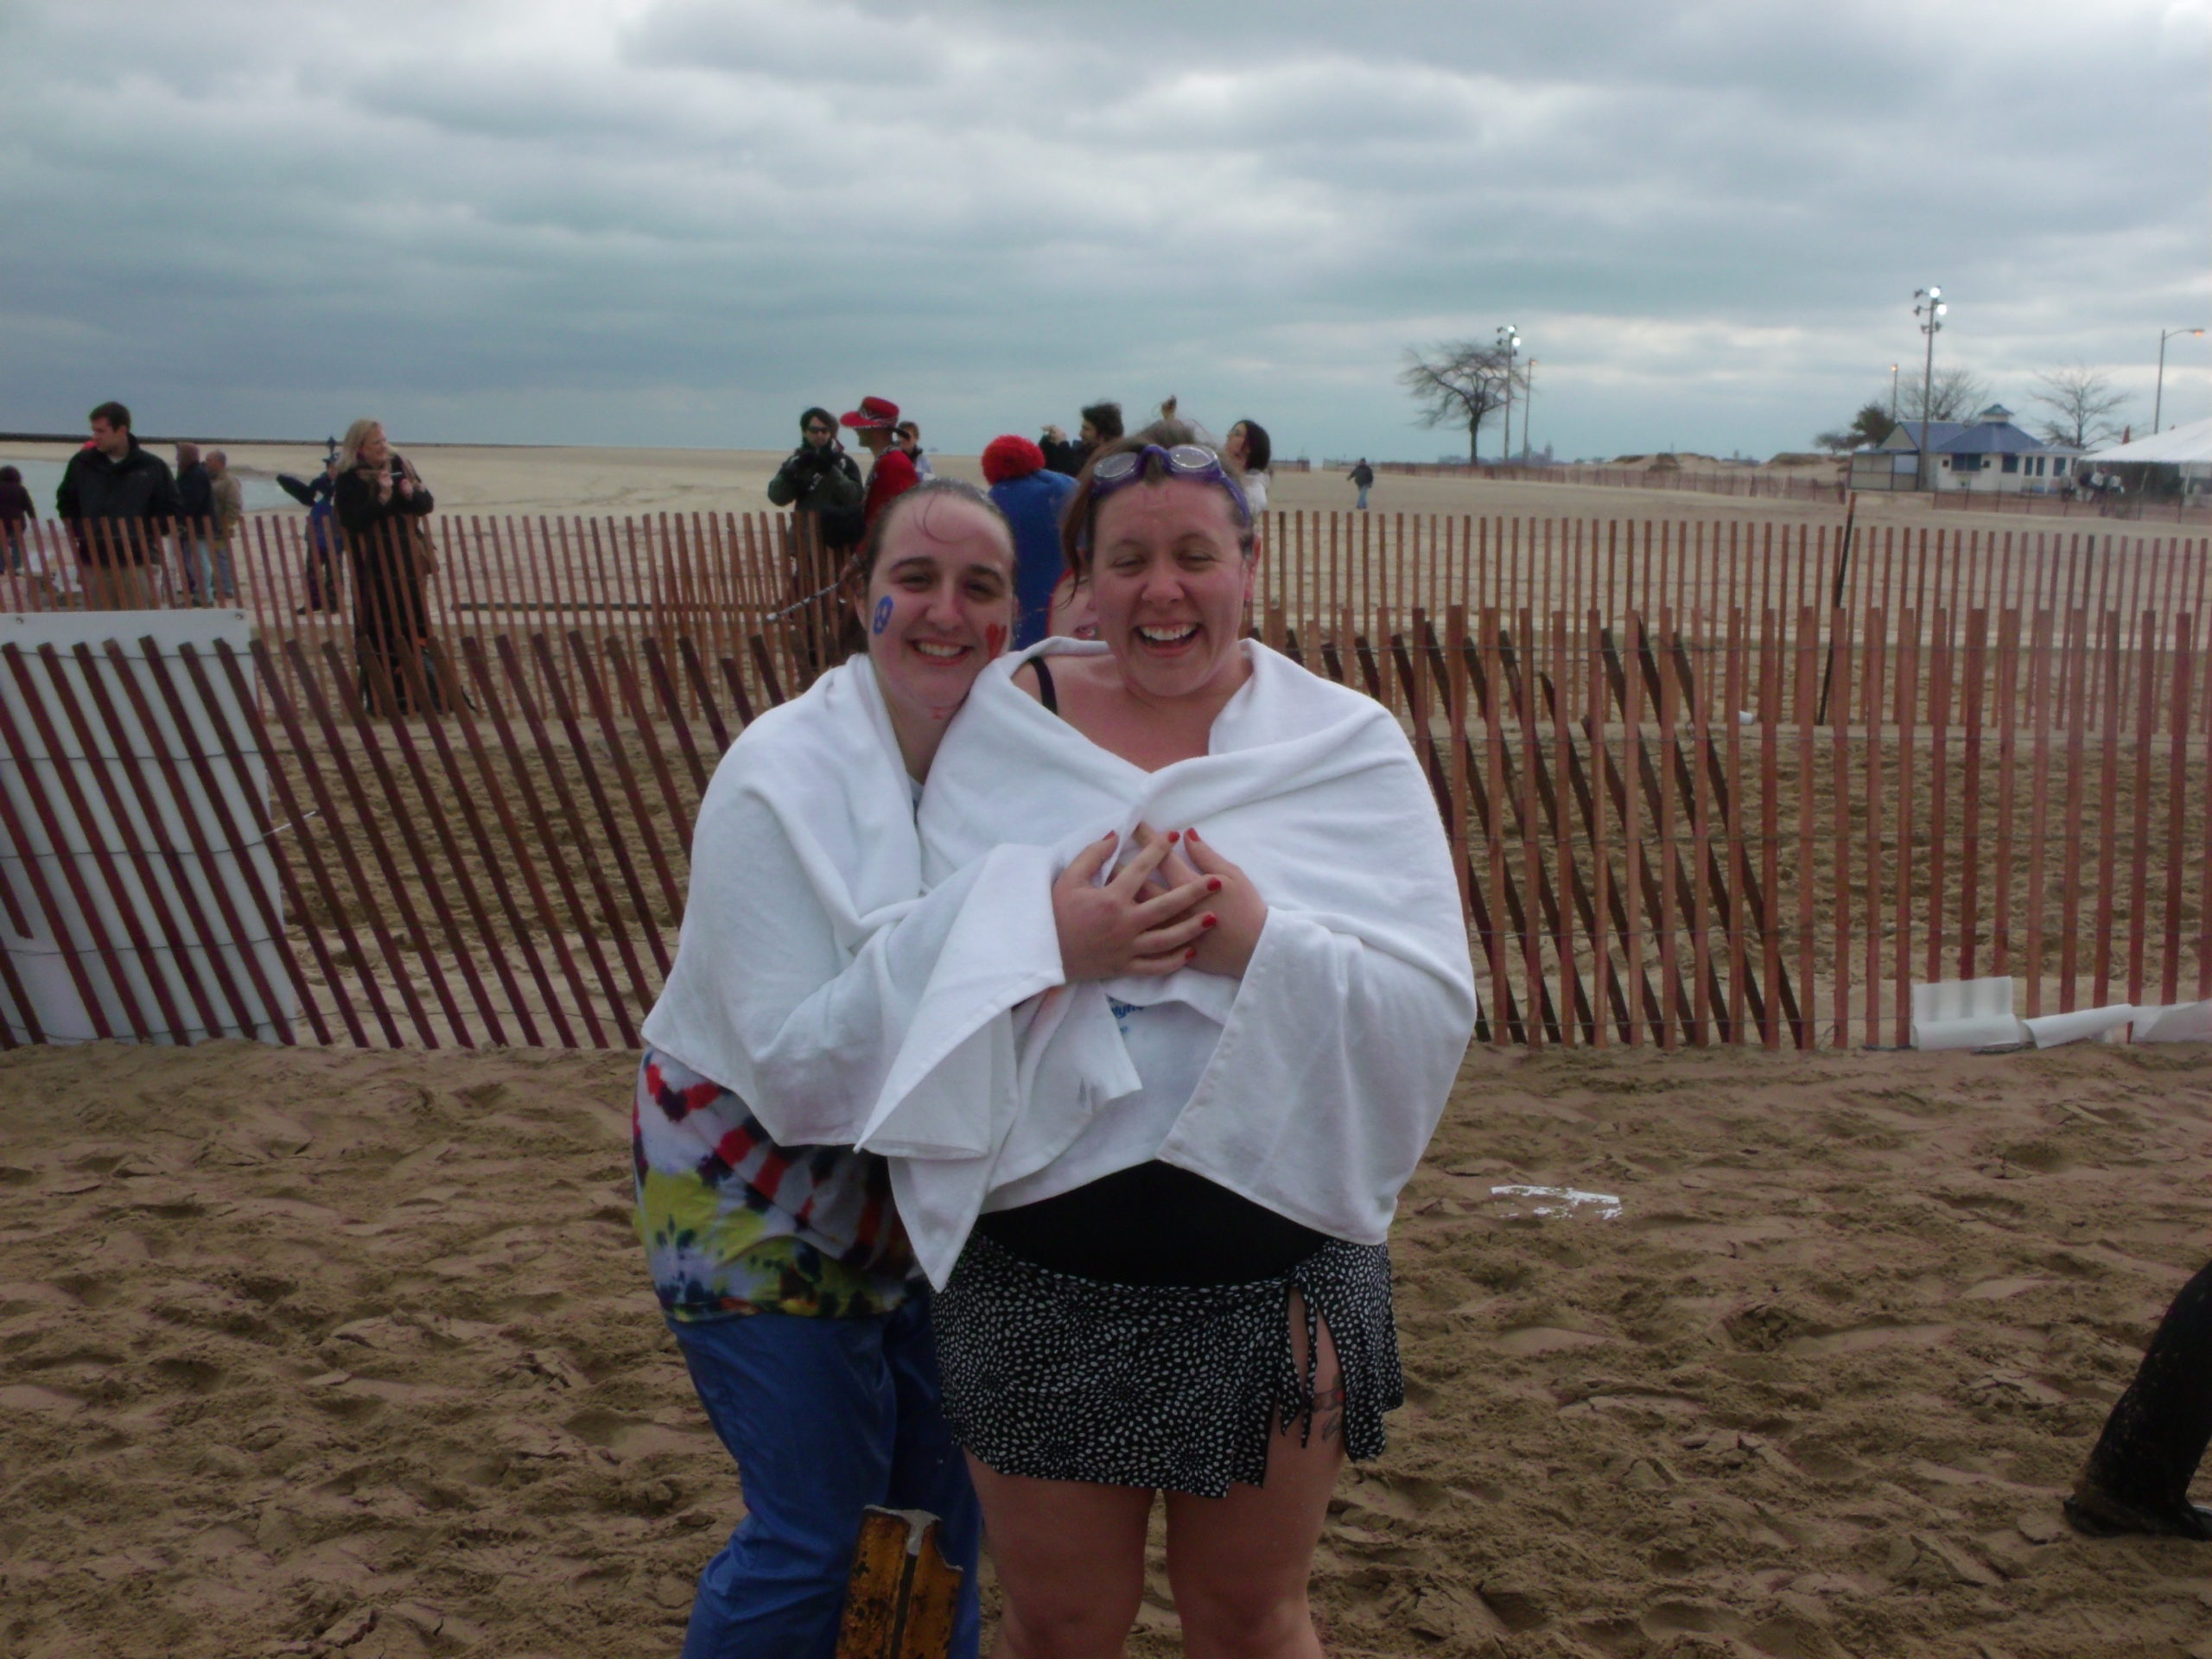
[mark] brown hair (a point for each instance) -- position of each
(930, 489)
(114, 414)
(1081, 510)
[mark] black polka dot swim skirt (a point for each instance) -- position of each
(1058, 1377)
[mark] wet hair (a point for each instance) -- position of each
(908, 502)
(1258, 450)
(114, 414)
(1082, 510)
(1105, 420)
(821, 414)
(10, 475)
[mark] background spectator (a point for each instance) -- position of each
(1032, 497)
(1249, 447)
(381, 501)
(1101, 423)
(17, 509)
(892, 472)
(822, 486)
(195, 515)
(229, 496)
(908, 436)
(118, 498)
(1363, 478)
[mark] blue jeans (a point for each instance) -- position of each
(1362, 499)
(824, 1417)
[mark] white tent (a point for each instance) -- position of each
(2182, 445)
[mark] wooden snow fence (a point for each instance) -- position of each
(1697, 790)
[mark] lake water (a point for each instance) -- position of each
(41, 477)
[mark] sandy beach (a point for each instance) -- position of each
(602, 482)
(311, 1352)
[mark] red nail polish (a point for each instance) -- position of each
(1213, 884)
(1193, 834)
(1209, 920)
(1189, 952)
(1173, 835)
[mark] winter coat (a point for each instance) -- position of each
(1032, 505)
(138, 489)
(825, 482)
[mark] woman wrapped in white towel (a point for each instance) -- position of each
(779, 1259)
(1178, 1280)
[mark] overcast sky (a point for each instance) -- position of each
(680, 221)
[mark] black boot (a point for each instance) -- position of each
(2137, 1479)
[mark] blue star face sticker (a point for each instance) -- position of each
(882, 614)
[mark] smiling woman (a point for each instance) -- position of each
(779, 1262)
(1174, 1276)
(939, 601)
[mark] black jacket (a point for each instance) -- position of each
(358, 508)
(825, 481)
(137, 486)
(195, 495)
(1065, 455)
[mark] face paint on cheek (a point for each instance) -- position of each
(882, 614)
(994, 637)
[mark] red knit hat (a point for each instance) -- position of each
(1009, 457)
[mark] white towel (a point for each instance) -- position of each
(806, 946)
(1339, 1045)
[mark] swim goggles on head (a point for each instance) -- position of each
(1192, 460)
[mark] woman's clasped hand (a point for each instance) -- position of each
(1127, 919)
(1172, 903)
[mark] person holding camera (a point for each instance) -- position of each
(381, 501)
(820, 484)
(819, 477)
(1101, 423)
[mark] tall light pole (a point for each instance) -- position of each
(1528, 407)
(2159, 398)
(1893, 394)
(1509, 341)
(1930, 311)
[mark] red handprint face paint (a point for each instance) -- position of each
(993, 640)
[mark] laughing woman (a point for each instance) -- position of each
(1179, 1281)
(776, 1250)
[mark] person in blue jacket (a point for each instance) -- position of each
(1032, 498)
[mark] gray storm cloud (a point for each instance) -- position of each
(677, 223)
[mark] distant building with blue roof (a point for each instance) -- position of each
(1988, 454)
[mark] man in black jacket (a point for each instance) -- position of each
(118, 498)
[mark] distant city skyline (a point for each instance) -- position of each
(678, 222)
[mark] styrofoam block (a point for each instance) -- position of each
(2051, 1029)
(2176, 1022)
(1964, 1014)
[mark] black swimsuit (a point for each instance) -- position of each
(1152, 1224)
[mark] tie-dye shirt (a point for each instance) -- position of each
(734, 1224)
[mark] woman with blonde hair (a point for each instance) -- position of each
(381, 501)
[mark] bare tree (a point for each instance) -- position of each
(1460, 383)
(1961, 394)
(2080, 398)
